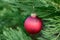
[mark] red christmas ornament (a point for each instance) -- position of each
(33, 24)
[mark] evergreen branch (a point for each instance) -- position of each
(57, 6)
(57, 36)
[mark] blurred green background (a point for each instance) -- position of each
(14, 12)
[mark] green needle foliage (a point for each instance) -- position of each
(14, 12)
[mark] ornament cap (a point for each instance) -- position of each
(33, 15)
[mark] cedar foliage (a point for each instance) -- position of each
(14, 12)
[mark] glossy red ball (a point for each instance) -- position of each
(33, 25)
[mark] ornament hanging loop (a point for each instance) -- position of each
(33, 9)
(33, 14)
